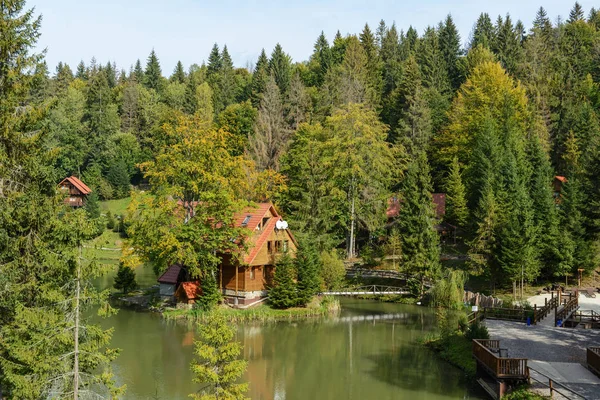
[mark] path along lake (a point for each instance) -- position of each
(367, 352)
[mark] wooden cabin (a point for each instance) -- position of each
(77, 191)
(557, 185)
(245, 280)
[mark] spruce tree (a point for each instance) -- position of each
(260, 78)
(227, 85)
(125, 279)
(81, 71)
(450, 48)
(416, 221)
(138, 72)
(456, 202)
(214, 62)
(178, 73)
(284, 293)
(280, 67)
(118, 177)
(338, 50)
(320, 60)
(483, 33)
(210, 292)
(111, 74)
(308, 269)
(576, 13)
(218, 366)
(92, 205)
(153, 74)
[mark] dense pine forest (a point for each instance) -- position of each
(384, 113)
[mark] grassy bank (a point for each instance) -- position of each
(106, 248)
(116, 207)
(264, 313)
(455, 349)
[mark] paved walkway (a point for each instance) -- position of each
(573, 376)
(543, 343)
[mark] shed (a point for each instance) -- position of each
(170, 279)
(188, 292)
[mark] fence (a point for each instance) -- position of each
(542, 312)
(569, 306)
(593, 359)
(557, 387)
(507, 314)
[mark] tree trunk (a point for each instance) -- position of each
(351, 244)
(76, 334)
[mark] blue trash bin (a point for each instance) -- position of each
(528, 321)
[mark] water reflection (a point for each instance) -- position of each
(368, 352)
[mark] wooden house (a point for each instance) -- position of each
(76, 191)
(557, 185)
(245, 279)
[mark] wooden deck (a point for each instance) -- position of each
(487, 353)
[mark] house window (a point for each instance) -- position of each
(246, 220)
(252, 274)
(285, 246)
(264, 222)
(278, 246)
(270, 247)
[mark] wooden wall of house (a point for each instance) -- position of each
(262, 279)
(228, 277)
(264, 258)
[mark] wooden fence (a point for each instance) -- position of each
(593, 359)
(484, 352)
(542, 312)
(507, 314)
(481, 300)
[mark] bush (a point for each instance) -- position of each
(284, 293)
(477, 331)
(210, 293)
(448, 292)
(110, 221)
(333, 271)
(125, 279)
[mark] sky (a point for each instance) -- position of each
(122, 31)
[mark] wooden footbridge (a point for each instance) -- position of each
(373, 290)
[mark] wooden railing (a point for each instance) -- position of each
(553, 386)
(542, 312)
(508, 314)
(570, 305)
(499, 367)
(593, 359)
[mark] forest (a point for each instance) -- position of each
(383, 113)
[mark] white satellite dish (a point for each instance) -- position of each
(279, 224)
(284, 224)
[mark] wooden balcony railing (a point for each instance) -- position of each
(499, 367)
(570, 305)
(542, 312)
(593, 359)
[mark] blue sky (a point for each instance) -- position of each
(125, 30)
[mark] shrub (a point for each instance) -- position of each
(125, 279)
(477, 331)
(333, 271)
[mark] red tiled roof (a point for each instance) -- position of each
(82, 187)
(561, 178)
(171, 275)
(192, 290)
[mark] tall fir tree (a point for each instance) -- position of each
(178, 73)
(280, 67)
(457, 211)
(153, 74)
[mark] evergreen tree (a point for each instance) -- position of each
(338, 50)
(284, 293)
(210, 292)
(432, 62)
(483, 32)
(308, 268)
(190, 104)
(226, 93)
(214, 62)
(92, 205)
(218, 366)
(81, 71)
(542, 22)
(64, 76)
(449, 42)
(260, 77)
(416, 220)
(178, 73)
(576, 13)
(320, 61)
(374, 77)
(297, 104)
(153, 74)
(125, 279)
(138, 72)
(456, 202)
(118, 177)
(111, 74)
(280, 66)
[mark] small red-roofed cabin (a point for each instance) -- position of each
(188, 292)
(77, 191)
(245, 279)
(557, 184)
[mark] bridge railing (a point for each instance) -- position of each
(507, 314)
(542, 312)
(570, 305)
(593, 359)
(499, 367)
(553, 386)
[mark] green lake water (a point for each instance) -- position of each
(368, 352)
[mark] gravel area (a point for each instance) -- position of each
(543, 343)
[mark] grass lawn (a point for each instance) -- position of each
(116, 207)
(106, 248)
